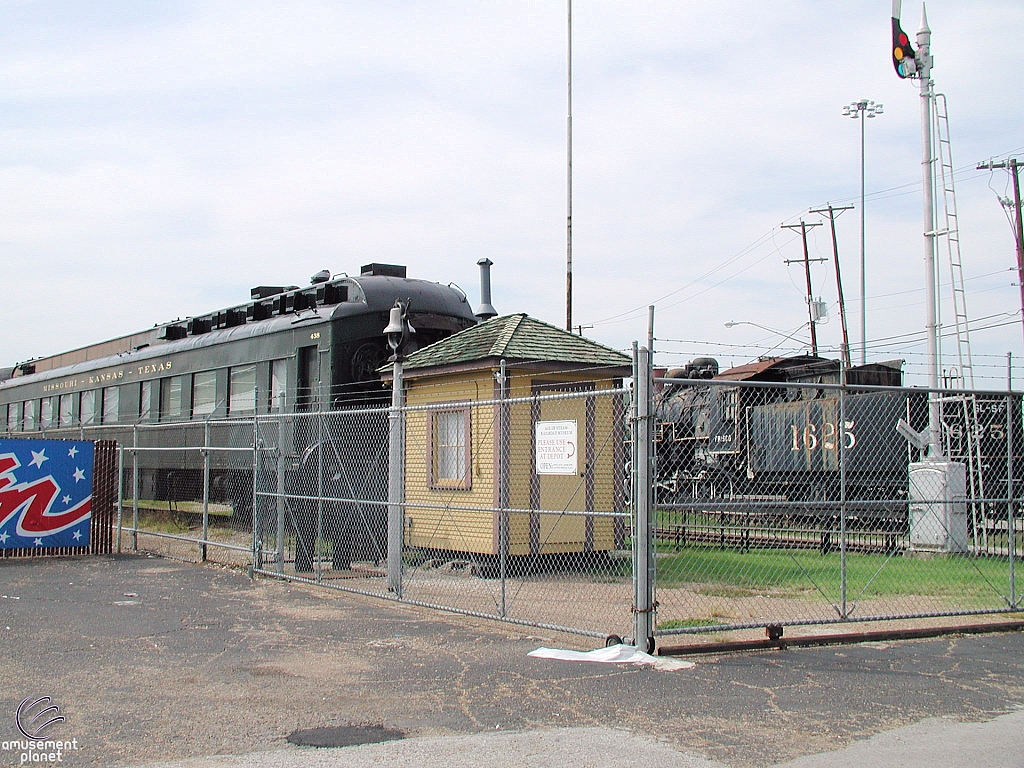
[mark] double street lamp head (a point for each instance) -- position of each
(864, 107)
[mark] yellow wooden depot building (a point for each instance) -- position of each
(481, 448)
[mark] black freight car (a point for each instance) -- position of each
(287, 350)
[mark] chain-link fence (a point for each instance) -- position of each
(187, 490)
(666, 507)
(517, 508)
(483, 532)
(781, 503)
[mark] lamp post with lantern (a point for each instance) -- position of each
(397, 332)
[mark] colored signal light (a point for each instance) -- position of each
(902, 54)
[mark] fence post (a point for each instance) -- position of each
(841, 437)
(643, 529)
(206, 490)
(502, 485)
(120, 493)
(280, 489)
(135, 489)
(1011, 523)
(396, 481)
(318, 541)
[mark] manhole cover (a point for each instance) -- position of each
(344, 736)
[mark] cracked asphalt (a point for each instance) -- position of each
(153, 660)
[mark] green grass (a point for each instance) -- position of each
(690, 623)
(797, 572)
(158, 522)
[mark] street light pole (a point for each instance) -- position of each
(861, 109)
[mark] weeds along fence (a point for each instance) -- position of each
(665, 507)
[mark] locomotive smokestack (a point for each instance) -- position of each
(485, 311)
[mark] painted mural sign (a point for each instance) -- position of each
(45, 493)
(556, 448)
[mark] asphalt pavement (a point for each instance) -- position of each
(155, 662)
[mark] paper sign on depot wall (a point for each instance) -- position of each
(557, 448)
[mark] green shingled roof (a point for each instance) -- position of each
(515, 337)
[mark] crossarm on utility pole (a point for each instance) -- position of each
(804, 226)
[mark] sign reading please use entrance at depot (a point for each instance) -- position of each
(556, 448)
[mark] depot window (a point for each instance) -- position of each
(66, 411)
(242, 390)
(31, 409)
(449, 449)
(171, 398)
(46, 413)
(87, 408)
(13, 417)
(111, 404)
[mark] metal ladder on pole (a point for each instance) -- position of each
(951, 235)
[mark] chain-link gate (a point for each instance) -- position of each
(483, 531)
(782, 503)
(187, 490)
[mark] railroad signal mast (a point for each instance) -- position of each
(937, 484)
(935, 150)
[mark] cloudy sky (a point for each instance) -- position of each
(158, 159)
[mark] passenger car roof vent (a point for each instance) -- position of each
(320, 277)
(264, 291)
(383, 270)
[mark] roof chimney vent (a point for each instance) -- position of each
(485, 311)
(382, 270)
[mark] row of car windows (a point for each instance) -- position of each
(168, 399)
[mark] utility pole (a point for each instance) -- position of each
(804, 226)
(1013, 165)
(832, 213)
(568, 177)
(650, 331)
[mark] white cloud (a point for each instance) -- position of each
(156, 161)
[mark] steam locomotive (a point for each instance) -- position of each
(764, 434)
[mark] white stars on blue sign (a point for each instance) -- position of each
(45, 493)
